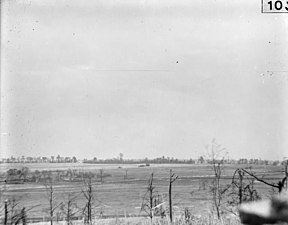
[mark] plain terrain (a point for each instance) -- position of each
(119, 196)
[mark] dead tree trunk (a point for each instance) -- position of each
(69, 208)
(6, 212)
(52, 202)
(171, 181)
(151, 196)
(240, 190)
(151, 200)
(286, 174)
(51, 205)
(89, 196)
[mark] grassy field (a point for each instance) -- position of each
(117, 197)
(203, 220)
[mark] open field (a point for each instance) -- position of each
(203, 220)
(119, 197)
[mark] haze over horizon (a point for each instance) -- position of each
(144, 78)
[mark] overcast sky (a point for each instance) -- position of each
(143, 78)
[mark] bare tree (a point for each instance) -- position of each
(69, 208)
(172, 179)
(5, 212)
(237, 181)
(53, 205)
(242, 190)
(218, 189)
(20, 216)
(151, 200)
(89, 197)
(279, 186)
(15, 213)
(11, 211)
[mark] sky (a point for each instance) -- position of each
(146, 78)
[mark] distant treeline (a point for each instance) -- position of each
(120, 160)
(167, 160)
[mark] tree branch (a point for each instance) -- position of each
(260, 180)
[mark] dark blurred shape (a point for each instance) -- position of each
(269, 211)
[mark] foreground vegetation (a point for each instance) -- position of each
(119, 195)
(158, 194)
